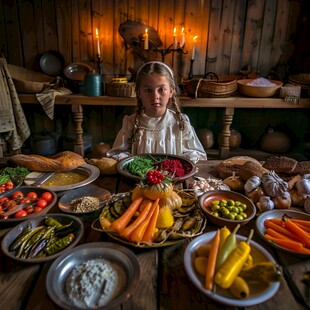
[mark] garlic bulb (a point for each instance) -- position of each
(265, 204)
(252, 183)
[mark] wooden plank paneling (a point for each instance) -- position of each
(50, 26)
(86, 31)
(3, 40)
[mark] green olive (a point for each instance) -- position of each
(230, 202)
(238, 217)
(230, 216)
(215, 202)
(216, 207)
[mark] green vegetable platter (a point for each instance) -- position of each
(178, 168)
(42, 239)
(11, 177)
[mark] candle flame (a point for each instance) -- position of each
(174, 31)
(146, 30)
(183, 30)
(195, 39)
(97, 33)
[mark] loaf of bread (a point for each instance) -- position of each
(62, 161)
(250, 169)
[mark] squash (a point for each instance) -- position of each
(159, 191)
(136, 193)
(174, 201)
(165, 218)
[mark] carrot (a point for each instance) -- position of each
(275, 221)
(209, 283)
(150, 230)
(120, 223)
(289, 244)
(138, 233)
(302, 235)
(130, 228)
(273, 233)
(302, 222)
(305, 228)
(280, 229)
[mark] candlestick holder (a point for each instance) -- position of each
(165, 51)
(99, 65)
(190, 74)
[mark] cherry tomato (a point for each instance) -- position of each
(9, 185)
(25, 200)
(10, 204)
(29, 209)
(37, 209)
(41, 203)
(32, 195)
(20, 213)
(47, 196)
(3, 200)
(18, 195)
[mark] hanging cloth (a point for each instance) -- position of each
(14, 128)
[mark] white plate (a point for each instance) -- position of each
(92, 172)
(88, 190)
(260, 225)
(223, 296)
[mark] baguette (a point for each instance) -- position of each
(62, 161)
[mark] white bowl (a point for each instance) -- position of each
(257, 295)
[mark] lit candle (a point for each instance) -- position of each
(98, 42)
(194, 47)
(175, 43)
(183, 38)
(146, 40)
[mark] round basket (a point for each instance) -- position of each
(28, 81)
(208, 88)
(120, 89)
(302, 80)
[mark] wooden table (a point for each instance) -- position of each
(163, 282)
(228, 105)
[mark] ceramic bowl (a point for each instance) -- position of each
(77, 228)
(25, 190)
(121, 258)
(258, 91)
(205, 205)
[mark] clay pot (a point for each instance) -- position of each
(100, 150)
(206, 137)
(234, 139)
(275, 141)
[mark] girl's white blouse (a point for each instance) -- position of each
(158, 135)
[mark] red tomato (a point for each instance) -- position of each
(10, 204)
(25, 200)
(18, 195)
(29, 209)
(32, 195)
(20, 213)
(47, 196)
(9, 185)
(3, 200)
(41, 203)
(37, 209)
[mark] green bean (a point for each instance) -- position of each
(140, 166)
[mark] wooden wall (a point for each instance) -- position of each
(231, 33)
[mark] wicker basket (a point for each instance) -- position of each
(28, 81)
(208, 88)
(120, 89)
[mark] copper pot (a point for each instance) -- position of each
(275, 141)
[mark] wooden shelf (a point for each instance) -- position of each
(228, 105)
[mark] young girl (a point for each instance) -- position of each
(155, 128)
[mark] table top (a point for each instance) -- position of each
(163, 282)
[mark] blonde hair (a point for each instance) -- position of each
(160, 68)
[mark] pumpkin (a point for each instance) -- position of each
(174, 201)
(159, 191)
(136, 193)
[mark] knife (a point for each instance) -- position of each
(18, 207)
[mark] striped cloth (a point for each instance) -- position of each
(47, 99)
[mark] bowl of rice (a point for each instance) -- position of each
(259, 87)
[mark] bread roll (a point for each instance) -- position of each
(59, 162)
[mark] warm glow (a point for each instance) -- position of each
(182, 30)
(146, 30)
(195, 39)
(97, 33)
(174, 31)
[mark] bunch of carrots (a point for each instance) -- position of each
(289, 233)
(142, 228)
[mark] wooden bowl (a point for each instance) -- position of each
(205, 205)
(258, 91)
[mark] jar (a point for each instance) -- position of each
(93, 84)
(234, 139)
(206, 137)
(275, 141)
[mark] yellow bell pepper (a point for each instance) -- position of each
(231, 267)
